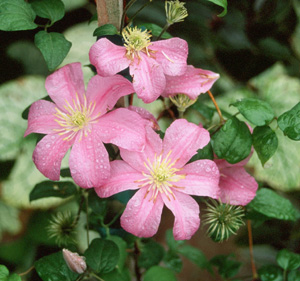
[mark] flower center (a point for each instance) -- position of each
(77, 118)
(136, 41)
(160, 176)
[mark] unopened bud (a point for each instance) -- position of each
(175, 11)
(75, 262)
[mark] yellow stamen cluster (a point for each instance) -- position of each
(77, 119)
(160, 176)
(175, 11)
(182, 102)
(136, 41)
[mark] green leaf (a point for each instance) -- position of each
(14, 277)
(272, 205)
(122, 245)
(4, 272)
(173, 261)
(16, 15)
(227, 266)
(53, 46)
(288, 260)
(106, 29)
(256, 111)
(205, 153)
(49, 9)
(265, 143)
(203, 109)
(151, 254)
(294, 276)
(54, 268)
(270, 273)
(102, 255)
(155, 30)
(223, 4)
(156, 273)
(44, 189)
(172, 243)
(9, 219)
(289, 122)
(116, 275)
(233, 141)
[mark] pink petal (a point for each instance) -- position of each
(186, 212)
(108, 58)
(141, 216)
(106, 91)
(193, 82)
(64, 84)
(48, 154)
(122, 177)
(89, 161)
(41, 118)
(145, 114)
(183, 139)
(237, 186)
(148, 78)
(153, 146)
(202, 179)
(123, 128)
(171, 54)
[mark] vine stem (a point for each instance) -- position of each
(163, 31)
(27, 271)
(131, 2)
(254, 272)
(216, 106)
(87, 219)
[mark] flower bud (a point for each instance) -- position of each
(75, 262)
(175, 11)
(223, 220)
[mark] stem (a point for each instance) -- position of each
(163, 31)
(27, 271)
(131, 99)
(116, 217)
(254, 273)
(131, 2)
(216, 106)
(181, 113)
(79, 210)
(96, 276)
(140, 9)
(136, 267)
(87, 219)
(284, 275)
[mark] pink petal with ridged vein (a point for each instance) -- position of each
(202, 179)
(41, 118)
(184, 139)
(64, 84)
(48, 155)
(186, 212)
(141, 216)
(108, 58)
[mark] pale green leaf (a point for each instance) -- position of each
(221, 3)
(9, 219)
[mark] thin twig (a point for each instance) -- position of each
(27, 271)
(254, 272)
(216, 106)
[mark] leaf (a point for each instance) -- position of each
(205, 153)
(256, 111)
(172, 243)
(9, 219)
(151, 254)
(53, 46)
(288, 260)
(116, 275)
(156, 273)
(270, 273)
(54, 268)
(265, 143)
(52, 189)
(16, 15)
(155, 30)
(106, 29)
(173, 261)
(289, 122)
(294, 275)
(122, 245)
(102, 255)
(4, 272)
(227, 266)
(223, 4)
(233, 141)
(203, 109)
(272, 205)
(49, 9)
(14, 277)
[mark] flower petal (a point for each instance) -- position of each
(66, 84)
(108, 58)
(106, 91)
(122, 177)
(193, 82)
(186, 212)
(123, 128)
(148, 78)
(183, 139)
(89, 161)
(48, 155)
(202, 179)
(141, 216)
(41, 118)
(171, 54)
(237, 186)
(145, 114)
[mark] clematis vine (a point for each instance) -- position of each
(81, 119)
(162, 177)
(148, 62)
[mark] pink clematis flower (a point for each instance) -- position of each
(162, 177)
(80, 120)
(193, 82)
(236, 185)
(148, 62)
